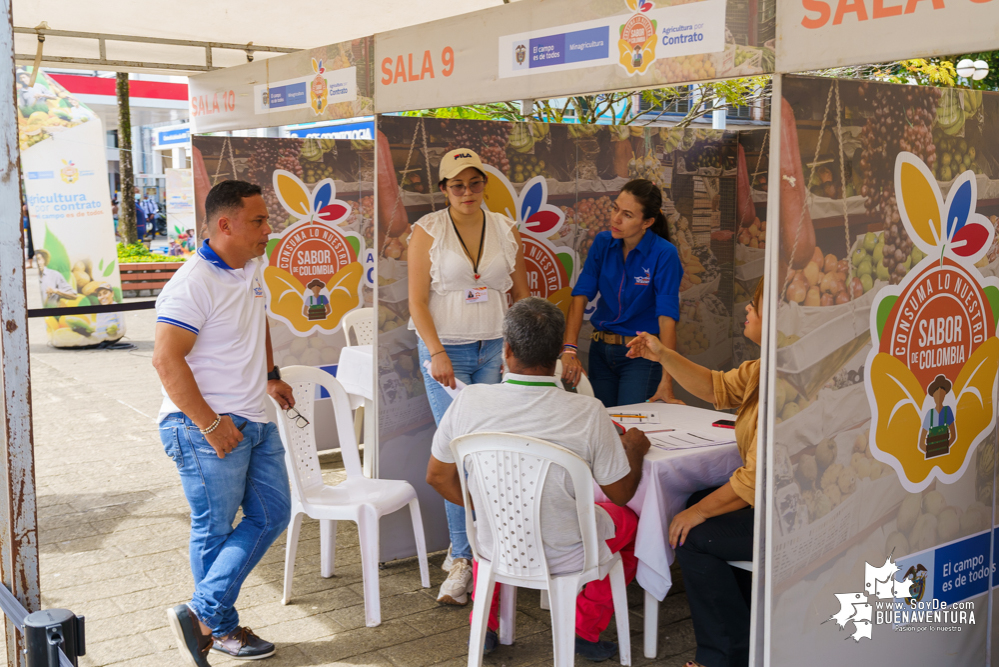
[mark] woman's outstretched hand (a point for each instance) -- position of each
(645, 346)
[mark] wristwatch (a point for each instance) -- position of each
(275, 374)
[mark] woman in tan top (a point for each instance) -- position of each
(717, 525)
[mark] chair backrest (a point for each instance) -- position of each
(362, 322)
(300, 443)
(584, 387)
(510, 472)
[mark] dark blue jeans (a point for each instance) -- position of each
(252, 476)
(618, 380)
(719, 594)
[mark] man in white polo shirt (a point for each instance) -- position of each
(528, 402)
(213, 354)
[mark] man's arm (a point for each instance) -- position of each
(636, 445)
(443, 477)
(170, 350)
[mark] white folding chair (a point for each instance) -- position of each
(358, 498)
(584, 387)
(360, 322)
(510, 471)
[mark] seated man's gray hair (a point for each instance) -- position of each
(534, 329)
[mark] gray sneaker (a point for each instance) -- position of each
(458, 584)
(242, 644)
(192, 644)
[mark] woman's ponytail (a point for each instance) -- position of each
(650, 197)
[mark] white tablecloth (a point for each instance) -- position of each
(668, 479)
(356, 372)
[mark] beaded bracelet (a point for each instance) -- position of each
(215, 425)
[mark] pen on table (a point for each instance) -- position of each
(662, 430)
(629, 416)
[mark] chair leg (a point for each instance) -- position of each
(508, 614)
(294, 526)
(545, 604)
(620, 595)
(563, 591)
(484, 590)
(651, 625)
(359, 424)
(421, 541)
(367, 532)
(327, 547)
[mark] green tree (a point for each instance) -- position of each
(618, 108)
(126, 203)
(940, 71)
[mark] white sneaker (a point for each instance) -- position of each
(458, 584)
(448, 562)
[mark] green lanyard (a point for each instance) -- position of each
(531, 384)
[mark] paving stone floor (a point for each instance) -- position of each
(113, 527)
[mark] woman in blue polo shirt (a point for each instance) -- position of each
(636, 271)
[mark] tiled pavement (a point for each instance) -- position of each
(113, 529)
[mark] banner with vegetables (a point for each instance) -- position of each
(887, 360)
(64, 166)
(558, 183)
(319, 195)
(180, 211)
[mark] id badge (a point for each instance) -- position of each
(477, 295)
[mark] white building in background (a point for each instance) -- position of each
(155, 101)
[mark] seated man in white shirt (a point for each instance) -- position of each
(528, 402)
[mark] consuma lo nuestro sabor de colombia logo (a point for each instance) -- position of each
(313, 274)
(931, 375)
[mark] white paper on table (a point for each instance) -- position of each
(689, 439)
(458, 384)
(633, 418)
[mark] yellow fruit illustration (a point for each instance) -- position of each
(286, 297)
(899, 398)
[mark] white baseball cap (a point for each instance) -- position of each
(459, 160)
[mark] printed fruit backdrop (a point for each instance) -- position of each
(848, 254)
(572, 174)
(319, 195)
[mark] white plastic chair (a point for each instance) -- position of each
(510, 471)
(358, 498)
(584, 387)
(361, 322)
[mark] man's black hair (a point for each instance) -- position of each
(226, 196)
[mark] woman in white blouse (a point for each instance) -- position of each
(462, 262)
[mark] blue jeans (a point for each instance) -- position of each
(473, 363)
(253, 476)
(618, 380)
